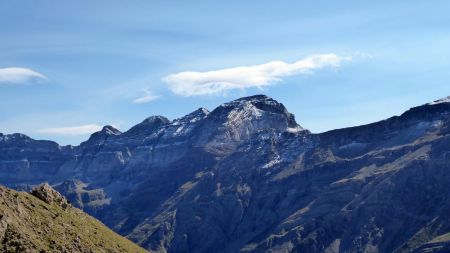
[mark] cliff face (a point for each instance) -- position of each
(246, 177)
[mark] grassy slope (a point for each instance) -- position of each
(28, 224)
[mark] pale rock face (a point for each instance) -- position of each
(238, 120)
(246, 177)
(49, 195)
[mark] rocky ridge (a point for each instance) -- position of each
(246, 177)
(43, 221)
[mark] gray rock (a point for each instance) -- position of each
(246, 177)
(49, 195)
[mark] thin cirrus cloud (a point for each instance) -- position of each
(145, 98)
(15, 75)
(71, 130)
(218, 82)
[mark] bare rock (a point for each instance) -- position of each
(3, 226)
(49, 195)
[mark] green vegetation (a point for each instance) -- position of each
(28, 224)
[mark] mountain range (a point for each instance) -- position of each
(245, 177)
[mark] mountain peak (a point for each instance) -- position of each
(261, 102)
(14, 138)
(250, 99)
(202, 111)
(255, 97)
(147, 126)
(155, 119)
(240, 119)
(110, 130)
(257, 107)
(100, 137)
(192, 117)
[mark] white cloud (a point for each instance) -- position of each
(72, 130)
(15, 75)
(191, 83)
(145, 98)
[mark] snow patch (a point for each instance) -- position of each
(276, 160)
(353, 145)
(239, 115)
(294, 129)
(440, 101)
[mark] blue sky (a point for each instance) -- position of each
(68, 67)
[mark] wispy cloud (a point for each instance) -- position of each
(71, 130)
(191, 83)
(15, 75)
(145, 98)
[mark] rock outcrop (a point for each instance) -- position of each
(47, 194)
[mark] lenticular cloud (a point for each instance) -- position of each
(16, 75)
(190, 83)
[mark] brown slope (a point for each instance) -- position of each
(30, 224)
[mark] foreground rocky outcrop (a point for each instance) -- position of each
(50, 196)
(245, 177)
(43, 221)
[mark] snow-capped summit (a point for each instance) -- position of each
(262, 110)
(110, 130)
(440, 101)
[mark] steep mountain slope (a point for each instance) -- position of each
(47, 223)
(246, 177)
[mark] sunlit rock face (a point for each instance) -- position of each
(245, 177)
